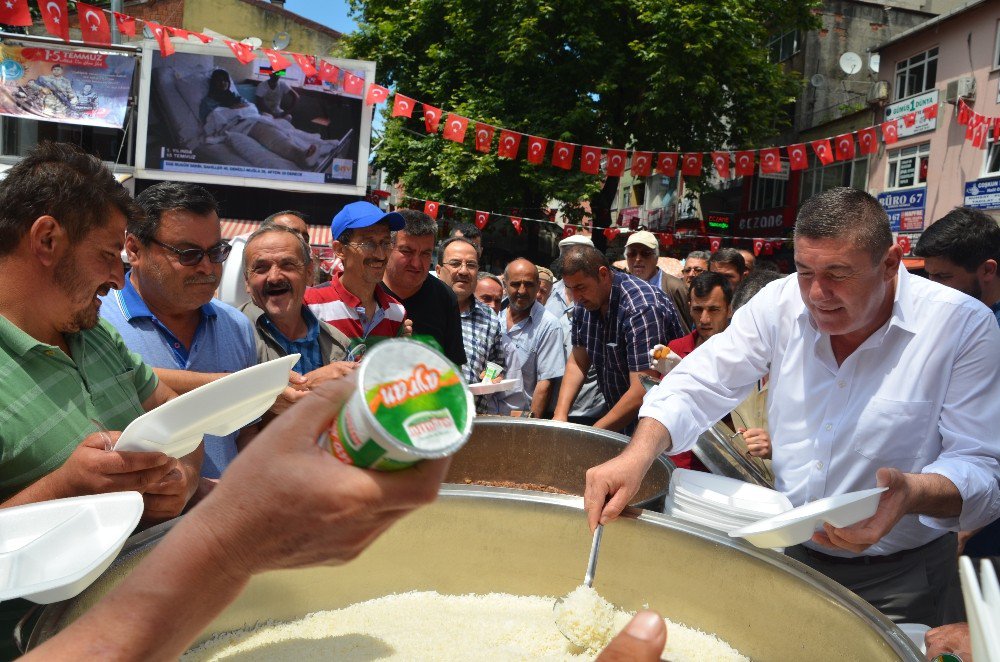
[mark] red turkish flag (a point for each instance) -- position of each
(126, 23)
(904, 243)
(981, 133)
(431, 208)
(516, 222)
(94, 25)
(890, 131)
(691, 165)
(509, 143)
(161, 37)
(203, 38)
(306, 63)
(562, 155)
(758, 246)
(177, 32)
(402, 106)
(15, 12)
(909, 119)
(590, 160)
(970, 127)
(611, 233)
(868, 140)
(432, 118)
(330, 73)
(964, 112)
(797, 159)
(482, 218)
(714, 243)
(930, 112)
(536, 149)
(823, 151)
(666, 164)
(770, 160)
(665, 238)
(844, 146)
(768, 248)
(615, 167)
(744, 163)
(484, 137)
(352, 84)
(642, 164)
(55, 16)
(454, 128)
(376, 94)
(721, 162)
(243, 52)
(278, 61)
(568, 231)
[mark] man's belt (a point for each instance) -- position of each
(866, 560)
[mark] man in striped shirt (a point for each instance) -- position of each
(356, 303)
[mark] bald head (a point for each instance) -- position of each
(521, 279)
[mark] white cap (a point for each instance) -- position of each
(576, 240)
(643, 238)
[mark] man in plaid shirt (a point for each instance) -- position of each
(618, 318)
(458, 268)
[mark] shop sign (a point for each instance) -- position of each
(772, 220)
(905, 208)
(983, 194)
(895, 111)
(718, 221)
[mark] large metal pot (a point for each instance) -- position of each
(528, 450)
(476, 539)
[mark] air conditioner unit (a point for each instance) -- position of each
(960, 88)
(879, 91)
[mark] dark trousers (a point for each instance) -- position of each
(915, 586)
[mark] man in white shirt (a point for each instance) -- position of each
(276, 97)
(877, 377)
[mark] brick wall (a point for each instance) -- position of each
(164, 12)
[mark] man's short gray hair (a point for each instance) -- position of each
(266, 228)
(587, 259)
(418, 224)
(846, 213)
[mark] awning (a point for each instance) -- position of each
(319, 235)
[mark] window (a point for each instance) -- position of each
(996, 51)
(908, 166)
(767, 194)
(917, 74)
(819, 178)
(783, 46)
(991, 166)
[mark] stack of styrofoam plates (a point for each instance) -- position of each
(721, 503)
(982, 608)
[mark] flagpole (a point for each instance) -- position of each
(7, 37)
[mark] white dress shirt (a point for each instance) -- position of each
(920, 394)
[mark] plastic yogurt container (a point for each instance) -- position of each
(410, 404)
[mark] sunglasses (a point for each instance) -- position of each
(190, 257)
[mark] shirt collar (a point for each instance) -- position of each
(349, 298)
(133, 306)
(16, 340)
(654, 280)
(312, 327)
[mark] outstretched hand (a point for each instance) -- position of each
(892, 505)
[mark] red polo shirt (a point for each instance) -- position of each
(682, 347)
(338, 307)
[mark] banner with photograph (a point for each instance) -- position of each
(62, 85)
(208, 114)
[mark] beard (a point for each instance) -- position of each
(85, 312)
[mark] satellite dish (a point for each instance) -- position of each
(850, 63)
(818, 80)
(281, 40)
(873, 61)
(253, 42)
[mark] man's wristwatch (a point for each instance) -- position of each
(947, 657)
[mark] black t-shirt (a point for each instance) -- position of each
(434, 311)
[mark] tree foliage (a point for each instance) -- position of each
(661, 75)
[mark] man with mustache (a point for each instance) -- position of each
(165, 311)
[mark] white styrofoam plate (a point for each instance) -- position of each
(482, 388)
(51, 551)
(729, 492)
(219, 408)
(915, 632)
(798, 524)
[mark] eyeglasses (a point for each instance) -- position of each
(371, 246)
(692, 270)
(458, 264)
(190, 257)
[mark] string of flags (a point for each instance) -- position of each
(977, 126)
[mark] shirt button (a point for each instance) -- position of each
(50, 352)
(177, 345)
(829, 427)
(819, 465)
(841, 384)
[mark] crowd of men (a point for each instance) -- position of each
(873, 375)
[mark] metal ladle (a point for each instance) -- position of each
(588, 581)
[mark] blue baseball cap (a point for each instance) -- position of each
(363, 214)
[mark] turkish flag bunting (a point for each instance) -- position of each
(981, 133)
(844, 145)
(203, 38)
(758, 246)
(909, 119)
(744, 163)
(770, 160)
(930, 112)
(536, 149)
(568, 231)
(691, 164)
(126, 23)
(278, 61)
(431, 208)
(611, 233)
(964, 112)
(666, 164)
(352, 84)
(243, 52)
(376, 94)
(94, 25)
(868, 140)
(454, 128)
(590, 159)
(55, 17)
(509, 143)
(665, 238)
(432, 118)
(797, 159)
(15, 12)
(482, 218)
(714, 243)
(642, 164)
(970, 126)
(768, 248)
(305, 63)
(516, 222)
(562, 155)
(890, 131)
(904, 243)
(330, 73)
(615, 167)
(161, 37)
(177, 32)
(721, 162)
(402, 106)
(484, 137)
(823, 151)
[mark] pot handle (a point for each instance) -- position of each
(20, 637)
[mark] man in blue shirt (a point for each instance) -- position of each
(166, 312)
